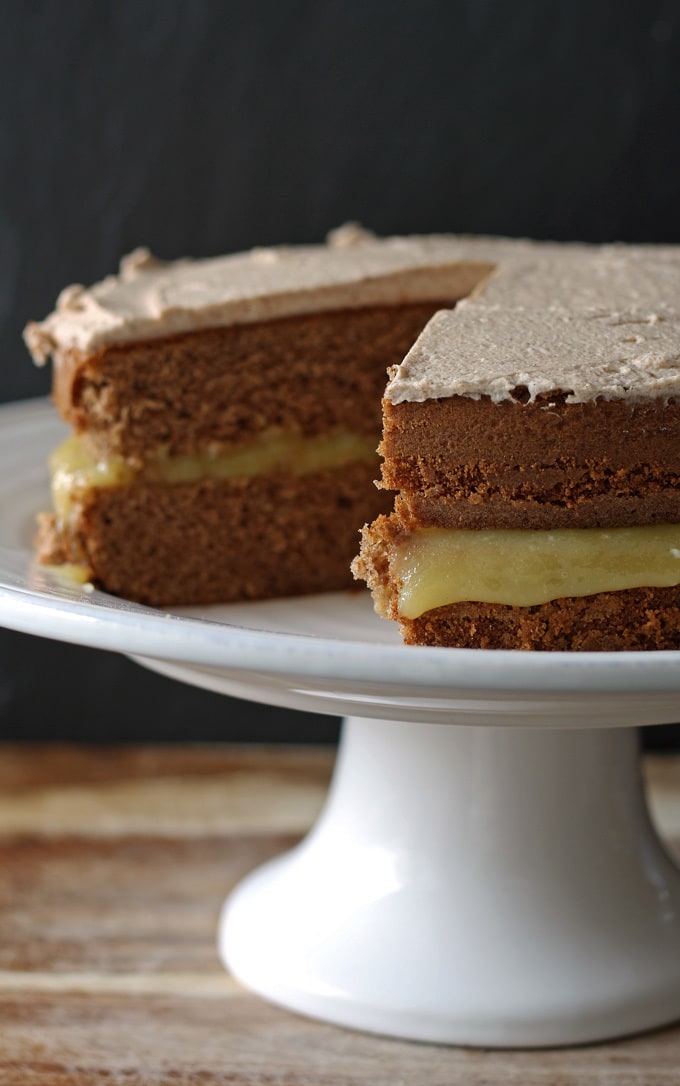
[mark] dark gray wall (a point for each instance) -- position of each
(202, 126)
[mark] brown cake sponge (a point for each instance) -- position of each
(223, 386)
(637, 619)
(464, 463)
(266, 536)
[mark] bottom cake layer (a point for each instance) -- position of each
(635, 619)
(213, 541)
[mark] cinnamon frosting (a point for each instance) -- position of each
(491, 350)
(587, 320)
(150, 299)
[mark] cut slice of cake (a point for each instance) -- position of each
(535, 450)
(226, 412)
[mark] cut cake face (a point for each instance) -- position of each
(535, 451)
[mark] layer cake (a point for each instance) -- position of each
(226, 412)
(533, 438)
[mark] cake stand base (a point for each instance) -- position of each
(470, 885)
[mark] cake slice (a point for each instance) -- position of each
(533, 437)
(226, 412)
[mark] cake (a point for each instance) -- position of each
(226, 412)
(532, 436)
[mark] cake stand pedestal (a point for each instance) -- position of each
(496, 886)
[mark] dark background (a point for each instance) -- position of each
(200, 127)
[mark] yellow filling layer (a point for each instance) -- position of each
(72, 571)
(438, 566)
(75, 470)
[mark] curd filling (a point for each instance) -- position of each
(75, 469)
(72, 571)
(434, 567)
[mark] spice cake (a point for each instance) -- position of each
(226, 412)
(533, 437)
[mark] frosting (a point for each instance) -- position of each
(478, 350)
(150, 298)
(576, 278)
(587, 320)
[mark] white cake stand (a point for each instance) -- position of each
(484, 872)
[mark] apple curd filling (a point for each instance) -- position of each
(434, 567)
(75, 470)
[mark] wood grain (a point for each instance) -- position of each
(108, 913)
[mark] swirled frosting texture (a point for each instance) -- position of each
(603, 322)
(150, 299)
(585, 320)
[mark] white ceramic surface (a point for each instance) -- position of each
(496, 885)
(475, 886)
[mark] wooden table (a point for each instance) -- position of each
(113, 866)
